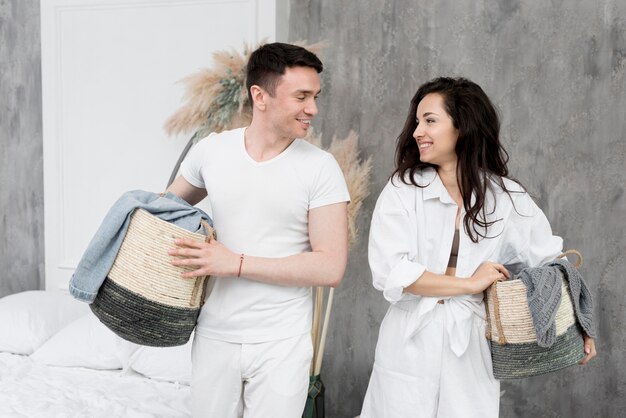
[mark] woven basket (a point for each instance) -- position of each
(144, 299)
(511, 333)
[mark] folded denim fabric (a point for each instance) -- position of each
(104, 246)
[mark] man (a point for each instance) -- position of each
(279, 209)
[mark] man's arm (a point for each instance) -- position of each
(186, 191)
(324, 265)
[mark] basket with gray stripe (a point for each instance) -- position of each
(511, 333)
(143, 299)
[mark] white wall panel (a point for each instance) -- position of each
(109, 82)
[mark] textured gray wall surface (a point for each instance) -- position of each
(556, 71)
(21, 148)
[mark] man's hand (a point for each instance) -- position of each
(208, 258)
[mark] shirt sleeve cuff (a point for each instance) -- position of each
(402, 275)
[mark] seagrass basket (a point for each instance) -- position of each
(143, 298)
(511, 333)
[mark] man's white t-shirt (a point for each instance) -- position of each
(260, 209)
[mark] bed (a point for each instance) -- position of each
(58, 360)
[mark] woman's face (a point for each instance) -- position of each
(435, 134)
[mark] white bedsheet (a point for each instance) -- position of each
(29, 389)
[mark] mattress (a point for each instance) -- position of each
(30, 389)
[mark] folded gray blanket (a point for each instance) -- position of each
(543, 289)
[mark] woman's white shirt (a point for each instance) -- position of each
(412, 231)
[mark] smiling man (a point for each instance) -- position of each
(279, 209)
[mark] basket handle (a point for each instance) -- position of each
(201, 282)
(579, 262)
(210, 232)
(496, 311)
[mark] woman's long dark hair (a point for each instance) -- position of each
(480, 154)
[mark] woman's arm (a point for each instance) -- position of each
(431, 284)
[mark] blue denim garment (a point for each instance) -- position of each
(104, 246)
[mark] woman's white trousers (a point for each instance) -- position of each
(420, 377)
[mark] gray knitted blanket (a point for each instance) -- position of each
(543, 289)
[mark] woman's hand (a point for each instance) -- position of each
(208, 258)
(485, 275)
(590, 350)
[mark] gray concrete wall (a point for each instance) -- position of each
(21, 148)
(556, 70)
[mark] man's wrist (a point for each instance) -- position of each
(241, 258)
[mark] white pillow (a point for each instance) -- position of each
(28, 319)
(85, 342)
(172, 364)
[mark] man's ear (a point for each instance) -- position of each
(259, 97)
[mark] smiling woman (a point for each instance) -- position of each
(456, 112)
(442, 231)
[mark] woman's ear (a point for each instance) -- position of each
(258, 97)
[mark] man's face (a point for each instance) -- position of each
(293, 106)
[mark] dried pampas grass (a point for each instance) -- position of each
(215, 99)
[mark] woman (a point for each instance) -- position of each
(443, 229)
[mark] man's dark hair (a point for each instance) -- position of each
(268, 63)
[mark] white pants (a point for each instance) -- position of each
(422, 377)
(258, 380)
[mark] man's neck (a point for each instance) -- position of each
(262, 144)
